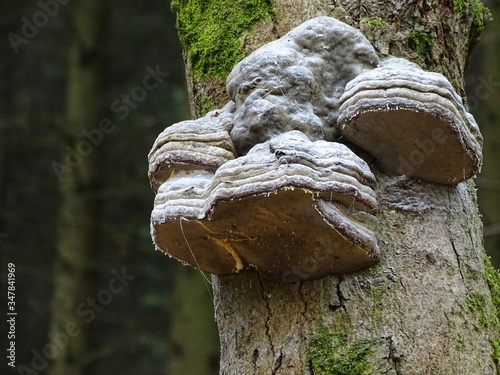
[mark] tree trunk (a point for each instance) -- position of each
(80, 175)
(6, 105)
(426, 308)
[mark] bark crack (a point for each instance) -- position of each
(450, 235)
(255, 357)
(403, 286)
(269, 315)
(392, 357)
(457, 255)
(277, 363)
(340, 297)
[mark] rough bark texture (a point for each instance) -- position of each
(414, 307)
(426, 307)
(436, 34)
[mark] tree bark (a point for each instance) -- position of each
(426, 308)
(75, 277)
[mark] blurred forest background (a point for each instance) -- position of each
(85, 88)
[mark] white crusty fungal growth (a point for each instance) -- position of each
(295, 82)
(413, 122)
(257, 184)
(261, 184)
(192, 145)
(291, 208)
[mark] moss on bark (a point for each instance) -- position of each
(421, 42)
(211, 32)
(332, 354)
(376, 21)
(475, 9)
(493, 279)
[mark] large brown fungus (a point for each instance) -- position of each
(262, 183)
(291, 208)
(413, 121)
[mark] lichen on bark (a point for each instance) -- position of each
(376, 21)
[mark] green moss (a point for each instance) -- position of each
(472, 190)
(477, 303)
(478, 11)
(460, 346)
(211, 31)
(493, 279)
(376, 21)
(496, 353)
(331, 354)
(421, 42)
(205, 104)
(460, 7)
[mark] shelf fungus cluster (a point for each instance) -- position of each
(264, 183)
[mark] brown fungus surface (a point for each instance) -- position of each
(291, 208)
(413, 122)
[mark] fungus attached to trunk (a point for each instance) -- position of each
(261, 184)
(291, 208)
(202, 144)
(295, 82)
(413, 122)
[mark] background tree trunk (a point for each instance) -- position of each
(75, 278)
(426, 308)
(192, 337)
(6, 111)
(484, 97)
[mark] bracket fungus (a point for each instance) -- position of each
(264, 184)
(295, 82)
(413, 122)
(191, 145)
(290, 208)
